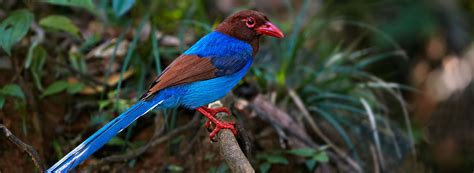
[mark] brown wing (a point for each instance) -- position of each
(185, 69)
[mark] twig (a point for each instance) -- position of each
(229, 147)
(280, 119)
(25, 147)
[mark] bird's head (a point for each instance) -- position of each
(249, 25)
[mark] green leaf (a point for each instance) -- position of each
(212, 170)
(116, 141)
(55, 88)
(90, 42)
(103, 104)
(38, 59)
(14, 28)
(122, 105)
(321, 157)
(2, 102)
(310, 164)
(13, 90)
(276, 159)
(75, 88)
(121, 7)
(265, 167)
(78, 61)
(304, 152)
(175, 168)
(87, 4)
(29, 55)
(57, 149)
(61, 23)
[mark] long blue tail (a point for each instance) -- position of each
(101, 137)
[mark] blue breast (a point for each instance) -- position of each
(231, 56)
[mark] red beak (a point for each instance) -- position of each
(270, 30)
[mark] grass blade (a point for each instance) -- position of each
(373, 125)
(156, 51)
(330, 118)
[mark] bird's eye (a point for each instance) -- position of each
(250, 22)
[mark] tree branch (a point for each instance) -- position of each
(228, 146)
(25, 147)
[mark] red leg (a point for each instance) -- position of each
(213, 112)
(210, 113)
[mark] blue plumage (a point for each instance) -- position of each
(227, 53)
(231, 57)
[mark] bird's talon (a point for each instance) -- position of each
(219, 125)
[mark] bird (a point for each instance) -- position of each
(204, 73)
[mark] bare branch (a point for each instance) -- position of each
(281, 119)
(25, 147)
(228, 146)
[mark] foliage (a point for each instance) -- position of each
(59, 23)
(312, 156)
(61, 85)
(10, 90)
(270, 159)
(121, 7)
(338, 58)
(335, 85)
(14, 28)
(87, 4)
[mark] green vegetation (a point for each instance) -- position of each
(342, 68)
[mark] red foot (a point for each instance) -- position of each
(213, 112)
(210, 113)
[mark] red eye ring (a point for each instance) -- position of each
(250, 22)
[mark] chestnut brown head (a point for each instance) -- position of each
(249, 25)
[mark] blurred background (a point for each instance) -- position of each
(366, 85)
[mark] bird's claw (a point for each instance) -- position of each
(222, 125)
(219, 125)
